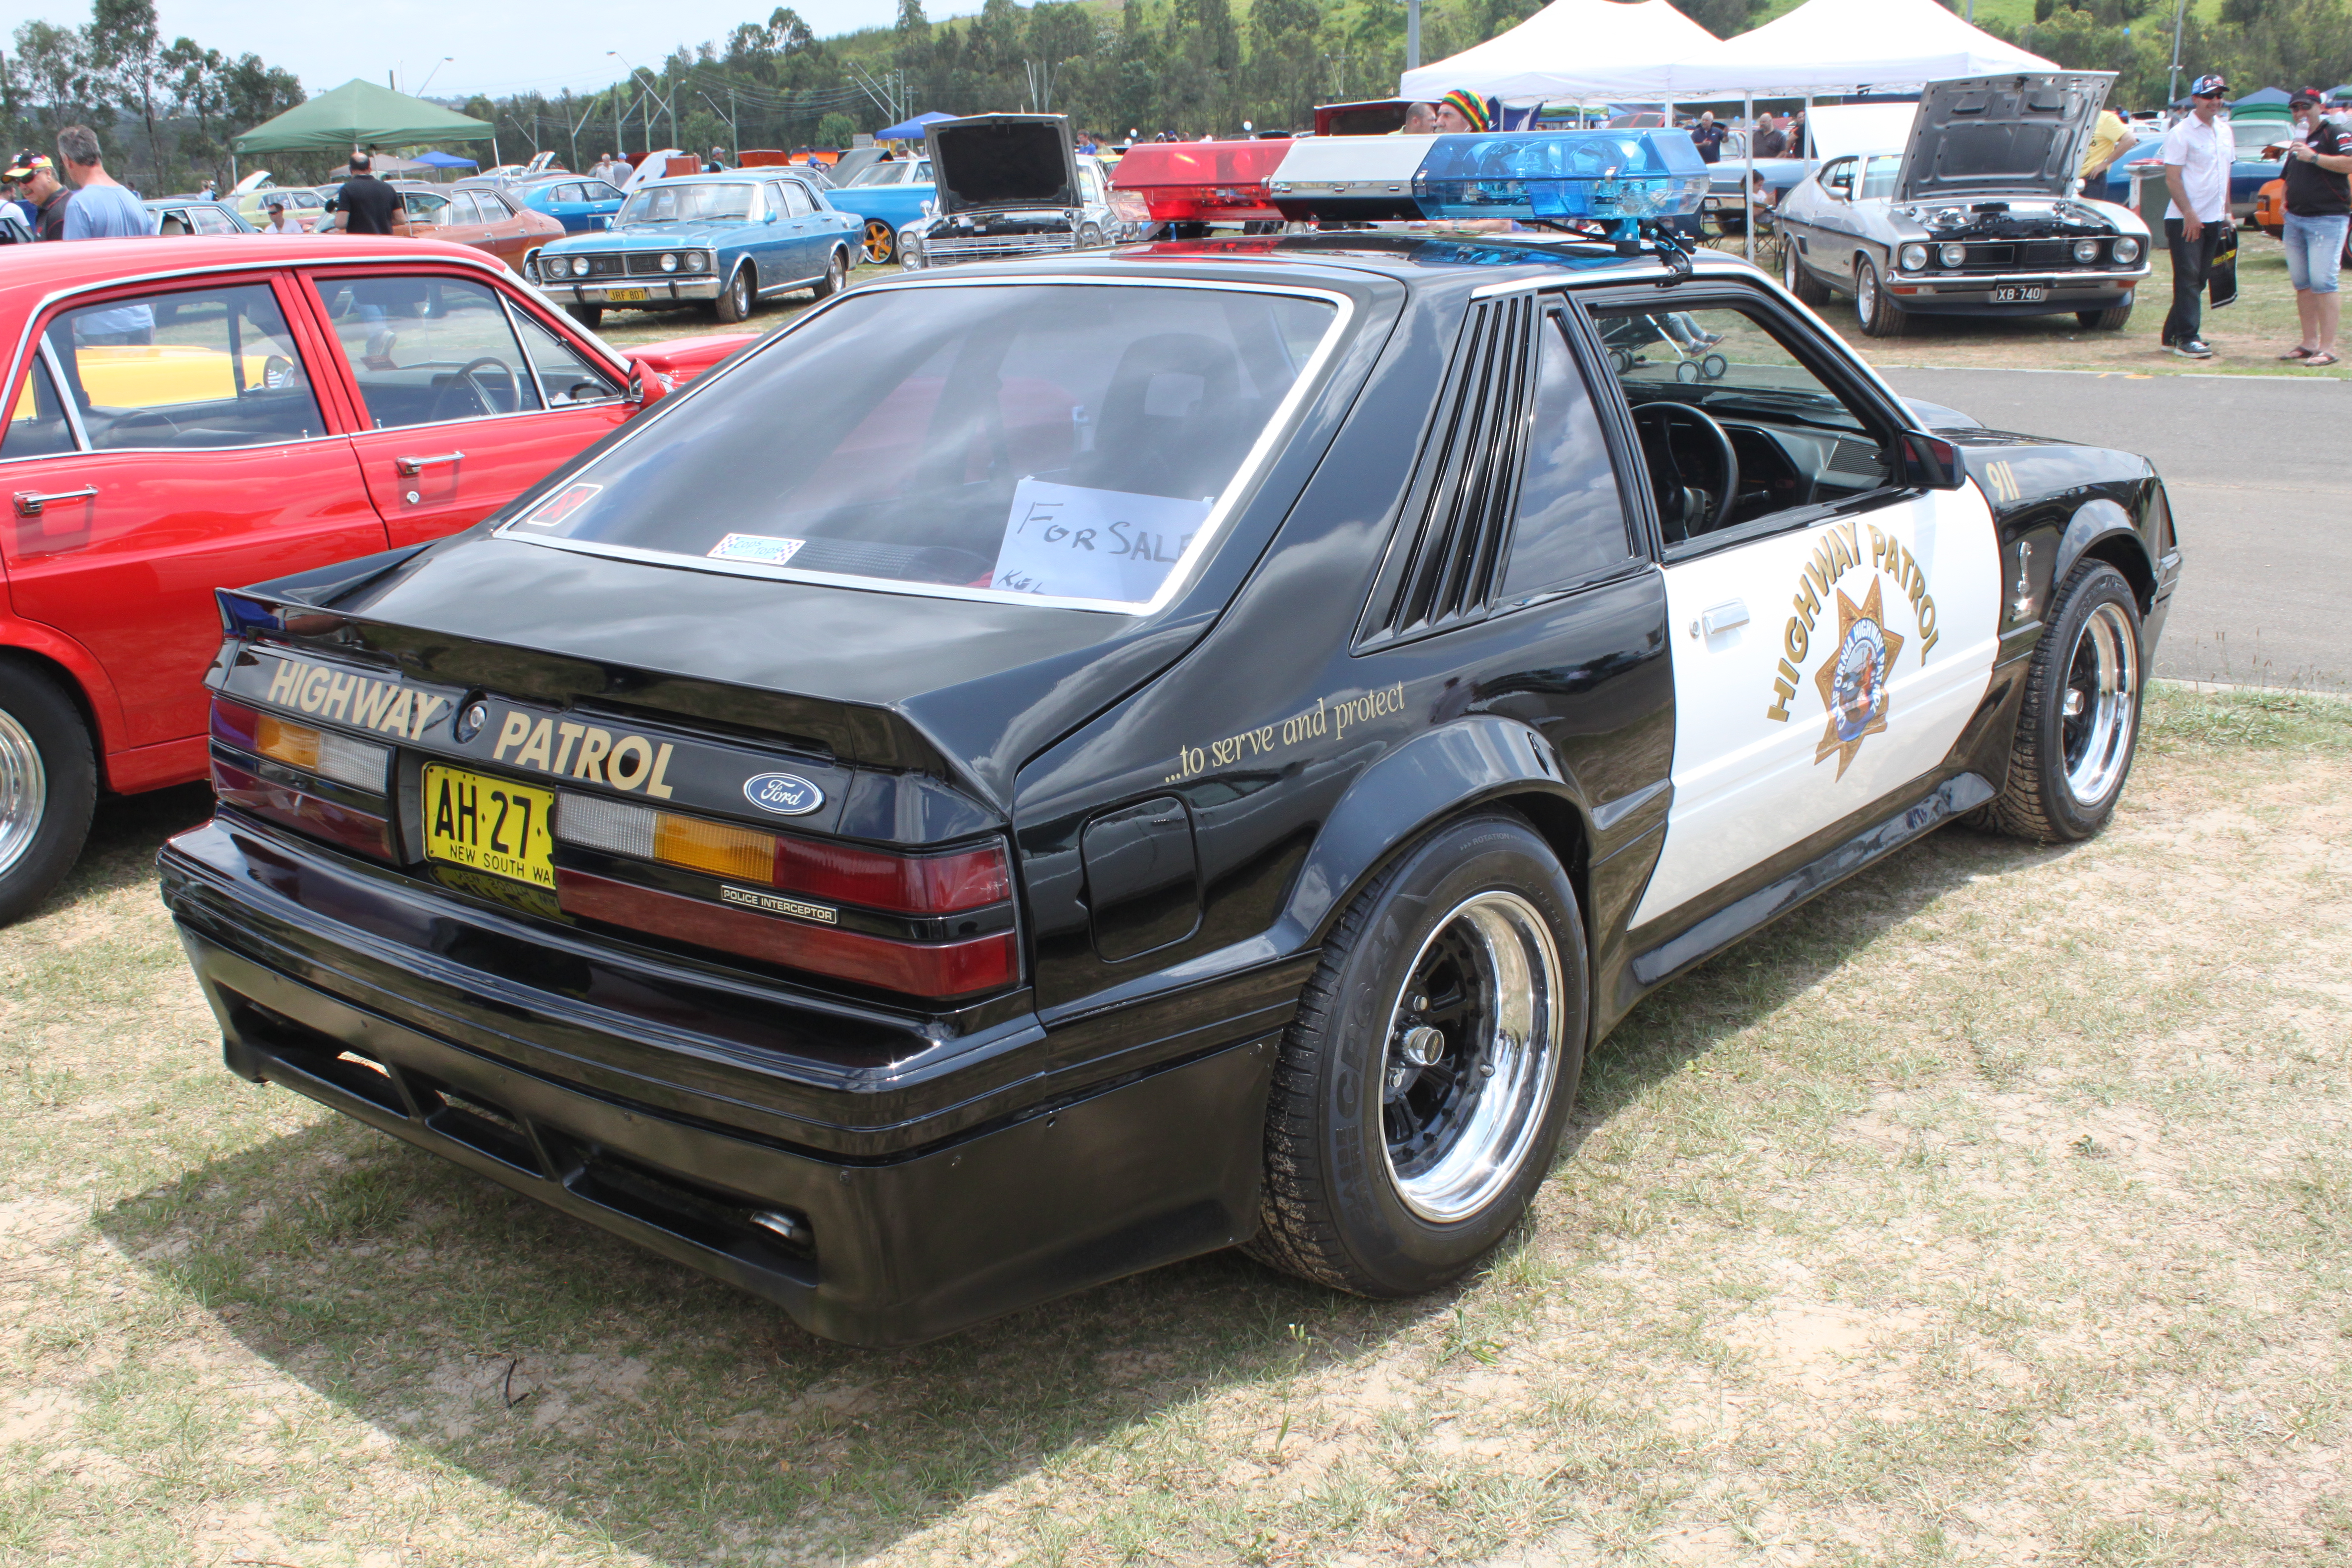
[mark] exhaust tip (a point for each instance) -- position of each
(787, 1227)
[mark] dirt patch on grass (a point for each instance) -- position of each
(1992, 1209)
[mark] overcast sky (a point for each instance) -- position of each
(500, 46)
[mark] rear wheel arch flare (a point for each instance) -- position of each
(1477, 764)
(70, 682)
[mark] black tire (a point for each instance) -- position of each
(2067, 770)
(586, 315)
(881, 242)
(836, 276)
(2110, 320)
(48, 786)
(1799, 278)
(1880, 316)
(1334, 1214)
(741, 297)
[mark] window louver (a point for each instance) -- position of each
(1458, 512)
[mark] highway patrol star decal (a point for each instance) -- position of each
(1854, 678)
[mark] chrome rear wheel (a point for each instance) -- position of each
(24, 791)
(1472, 1048)
(2100, 715)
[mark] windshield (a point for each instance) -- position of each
(2252, 135)
(1072, 441)
(901, 173)
(689, 204)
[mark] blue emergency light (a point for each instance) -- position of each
(1614, 177)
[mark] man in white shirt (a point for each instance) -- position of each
(2198, 152)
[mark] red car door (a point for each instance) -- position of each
(194, 455)
(468, 396)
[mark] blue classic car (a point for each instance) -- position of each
(727, 240)
(887, 197)
(581, 203)
(2248, 173)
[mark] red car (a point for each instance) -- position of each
(218, 412)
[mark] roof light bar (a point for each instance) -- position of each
(1614, 177)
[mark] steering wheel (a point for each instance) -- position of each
(1683, 508)
(464, 378)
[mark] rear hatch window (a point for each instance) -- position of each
(1078, 444)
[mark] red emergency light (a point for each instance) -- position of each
(1202, 181)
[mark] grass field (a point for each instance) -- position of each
(1992, 1209)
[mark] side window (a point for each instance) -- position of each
(797, 202)
(461, 208)
(1878, 177)
(1569, 523)
(424, 207)
(425, 349)
(36, 427)
(1838, 179)
(566, 375)
(571, 193)
(1739, 434)
(208, 368)
(597, 192)
(212, 220)
(494, 208)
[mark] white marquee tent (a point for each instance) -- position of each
(1839, 46)
(1581, 51)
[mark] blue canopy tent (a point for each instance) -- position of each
(445, 161)
(2260, 96)
(910, 130)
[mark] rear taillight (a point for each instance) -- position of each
(867, 915)
(359, 766)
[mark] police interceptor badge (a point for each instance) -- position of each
(786, 795)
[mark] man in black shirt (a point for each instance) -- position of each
(2318, 211)
(366, 204)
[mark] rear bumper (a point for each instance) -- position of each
(1065, 1189)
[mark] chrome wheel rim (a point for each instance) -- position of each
(1788, 264)
(23, 791)
(837, 272)
(1472, 1048)
(740, 294)
(1865, 292)
(2100, 705)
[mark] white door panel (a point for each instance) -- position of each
(1867, 646)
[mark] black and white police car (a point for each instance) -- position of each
(1046, 769)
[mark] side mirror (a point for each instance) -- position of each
(646, 385)
(1931, 463)
(771, 214)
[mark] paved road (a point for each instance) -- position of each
(2257, 474)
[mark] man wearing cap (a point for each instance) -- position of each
(2197, 157)
(2319, 210)
(43, 194)
(20, 170)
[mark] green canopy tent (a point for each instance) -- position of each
(360, 113)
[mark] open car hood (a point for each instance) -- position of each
(2000, 135)
(999, 161)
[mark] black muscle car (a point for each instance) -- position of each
(1046, 769)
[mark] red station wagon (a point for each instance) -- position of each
(218, 412)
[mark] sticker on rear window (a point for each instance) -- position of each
(756, 547)
(556, 508)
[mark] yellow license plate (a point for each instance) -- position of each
(491, 825)
(625, 293)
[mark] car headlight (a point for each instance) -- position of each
(579, 267)
(697, 261)
(669, 261)
(2127, 251)
(1953, 254)
(2086, 250)
(1914, 257)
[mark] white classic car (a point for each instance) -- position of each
(1975, 216)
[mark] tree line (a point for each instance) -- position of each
(2253, 43)
(164, 112)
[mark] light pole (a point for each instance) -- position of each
(2173, 83)
(1412, 33)
(652, 83)
(431, 74)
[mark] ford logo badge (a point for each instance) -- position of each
(786, 795)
